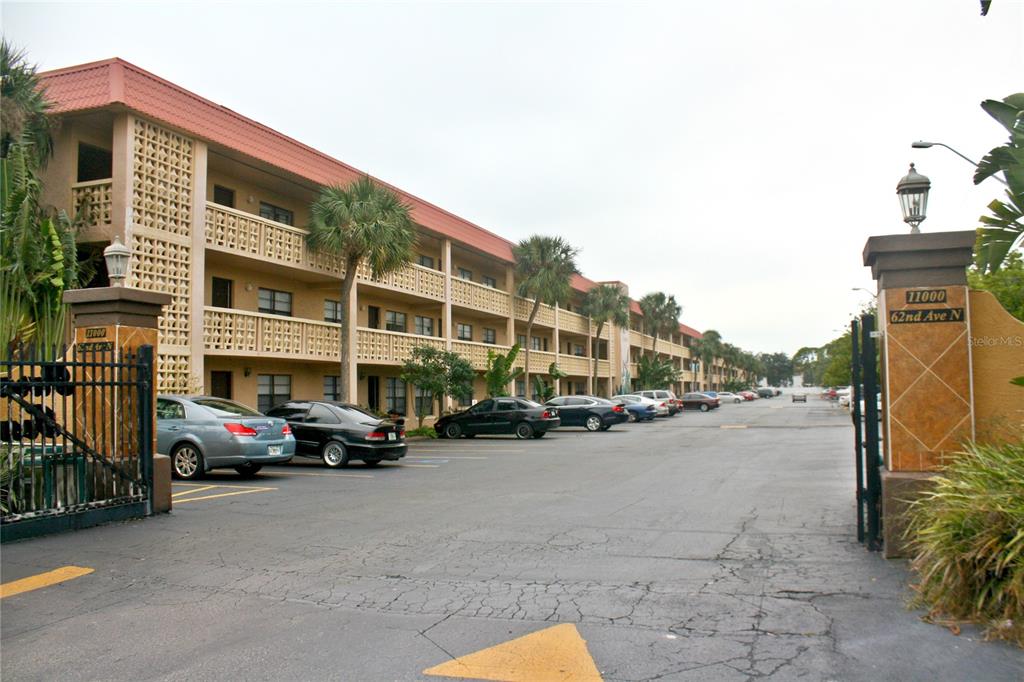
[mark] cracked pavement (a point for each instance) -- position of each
(680, 550)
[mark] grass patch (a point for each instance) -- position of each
(422, 432)
(967, 542)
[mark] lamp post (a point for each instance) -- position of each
(912, 190)
(867, 291)
(921, 144)
(116, 255)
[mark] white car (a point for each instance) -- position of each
(660, 408)
(843, 395)
(727, 397)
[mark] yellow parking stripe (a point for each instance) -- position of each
(212, 497)
(733, 426)
(445, 457)
(194, 490)
(42, 580)
(303, 473)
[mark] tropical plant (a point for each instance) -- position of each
(500, 373)
(543, 270)
(603, 304)
(544, 390)
(23, 117)
(438, 373)
(1005, 283)
(363, 221)
(1003, 229)
(652, 373)
(967, 540)
(661, 316)
(10, 478)
(707, 348)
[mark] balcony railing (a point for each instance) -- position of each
(414, 279)
(390, 348)
(480, 297)
(227, 331)
(545, 316)
(637, 339)
(540, 361)
(575, 366)
(573, 322)
(476, 353)
(94, 198)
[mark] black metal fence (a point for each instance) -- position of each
(865, 413)
(76, 437)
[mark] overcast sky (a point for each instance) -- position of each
(735, 154)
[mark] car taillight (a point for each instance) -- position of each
(547, 414)
(375, 435)
(617, 408)
(286, 430)
(662, 405)
(401, 434)
(239, 429)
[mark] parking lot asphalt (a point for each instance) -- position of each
(703, 546)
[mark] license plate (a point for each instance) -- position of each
(273, 449)
(392, 436)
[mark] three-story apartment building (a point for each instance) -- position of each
(213, 204)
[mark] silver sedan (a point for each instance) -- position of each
(204, 433)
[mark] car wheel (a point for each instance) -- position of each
(593, 423)
(738, 401)
(452, 431)
(539, 434)
(371, 462)
(524, 430)
(631, 418)
(249, 469)
(187, 462)
(334, 455)
(704, 407)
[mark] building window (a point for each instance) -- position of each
(394, 321)
(332, 311)
(521, 340)
(332, 388)
(535, 343)
(577, 350)
(394, 396)
(521, 388)
(220, 292)
(490, 282)
(224, 196)
(373, 392)
(465, 274)
(94, 163)
(490, 336)
(276, 213)
(424, 325)
(466, 400)
(424, 402)
(272, 389)
(465, 332)
(275, 302)
(426, 261)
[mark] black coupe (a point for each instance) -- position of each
(338, 432)
(524, 418)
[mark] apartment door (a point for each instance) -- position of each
(220, 384)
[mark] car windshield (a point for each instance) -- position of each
(357, 414)
(226, 408)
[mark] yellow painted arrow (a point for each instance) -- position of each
(555, 654)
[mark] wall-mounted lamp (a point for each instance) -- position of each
(247, 371)
(117, 256)
(248, 286)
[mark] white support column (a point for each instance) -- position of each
(558, 351)
(446, 316)
(591, 329)
(510, 321)
(196, 343)
(353, 344)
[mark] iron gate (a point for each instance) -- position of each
(865, 414)
(76, 437)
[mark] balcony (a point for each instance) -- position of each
(252, 236)
(639, 340)
(573, 322)
(479, 297)
(227, 331)
(382, 347)
(540, 361)
(94, 199)
(476, 353)
(575, 366)
(545, 315)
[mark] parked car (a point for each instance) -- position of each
(765, 393)
(590, 412)
(799, 397)
(712, 394)
(654, 408)
(204, 433)
(524, 418)
(338, 433)
(748, 395)
(727, 397)
(699, 401)
(668, 397)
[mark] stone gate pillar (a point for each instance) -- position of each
(119, 320)
(924, 320)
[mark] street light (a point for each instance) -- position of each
(912, 190)
(116, 255)
(920, 144)
(874, 296)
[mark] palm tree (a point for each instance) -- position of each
(544, 270)
(708, 348)
(23, 118)
(668, 316)
(361, 222)
(602, 304)
(652, 306)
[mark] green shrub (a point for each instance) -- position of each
(423, 431)
(967, 540)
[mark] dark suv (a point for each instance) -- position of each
(338, 432)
